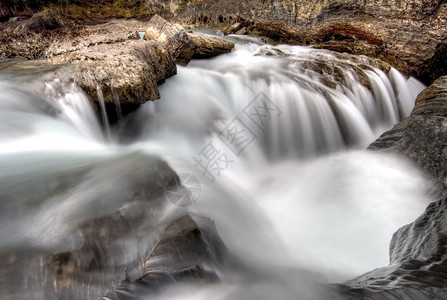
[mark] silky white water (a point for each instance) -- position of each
(274, 134)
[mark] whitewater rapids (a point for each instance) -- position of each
(292, 192)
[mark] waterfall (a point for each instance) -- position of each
(274, 137)
(319, 102)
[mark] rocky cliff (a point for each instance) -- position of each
(422, 136)
(109, 60)
(411, 35)
(417, 267)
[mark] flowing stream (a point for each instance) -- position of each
(274, 137)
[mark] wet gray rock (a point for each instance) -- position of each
(418, 255)
(116, 238)
(113, 216)
(418, 262)
(422, 136)
(188, 251)
(184, 244)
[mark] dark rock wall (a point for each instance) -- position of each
(422, 136)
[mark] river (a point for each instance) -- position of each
(269, 142)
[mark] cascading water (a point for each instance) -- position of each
(272, 133)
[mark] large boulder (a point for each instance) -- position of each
(173, 36)
(129, 70)
(183, 45)
(109, 62)
(422, 136)
(108, 217)
(209, 46)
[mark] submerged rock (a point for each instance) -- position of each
(183, 245)
(422, 136)
(115, 239)
(186, 253)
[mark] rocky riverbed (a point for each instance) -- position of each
(110, 61)
(410, 35)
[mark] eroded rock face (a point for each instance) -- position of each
(410, 35)
(109, 60)
(173, 36)
(423, 135)
(418, 262)
(109, 56)
(28, 38)
(187, 252)
(131, 69)
(182, 45)
(418, 256)
(208, 46)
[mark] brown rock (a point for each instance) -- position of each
(209, 46)
(47, 20)
(109, 57)
(410, 35)
(28, 38)
(241, 31)
(173, 36)
(433, 100)
(131, 69)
